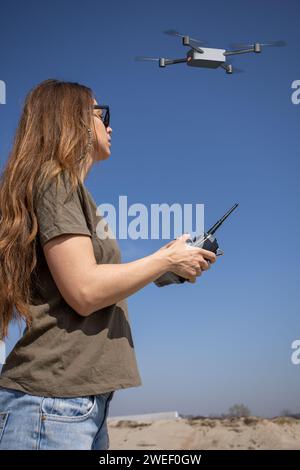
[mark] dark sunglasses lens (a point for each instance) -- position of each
(106, 118)
(104, 115)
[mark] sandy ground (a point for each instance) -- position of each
(202, 434)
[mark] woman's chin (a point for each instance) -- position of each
(103, 156)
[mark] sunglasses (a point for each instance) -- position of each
(104, 115)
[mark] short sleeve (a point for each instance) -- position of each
(59, 212)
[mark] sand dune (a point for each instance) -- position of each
(206, 433)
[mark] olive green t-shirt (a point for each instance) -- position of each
(63, 353)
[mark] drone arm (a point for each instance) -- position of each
(164, 62)
(240, 51)
(176, 61)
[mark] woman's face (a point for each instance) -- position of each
(103, 136)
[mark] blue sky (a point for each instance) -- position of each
(188, 135)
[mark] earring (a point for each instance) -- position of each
(90, 144)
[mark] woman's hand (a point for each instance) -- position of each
(186, 260)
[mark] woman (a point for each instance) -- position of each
(65, 279)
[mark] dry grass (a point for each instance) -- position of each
(285, 420)
(131, 424)
(202, 422)
(250, 420)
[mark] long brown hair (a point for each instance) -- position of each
(53, 135)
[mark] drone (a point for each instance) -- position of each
(207, 57)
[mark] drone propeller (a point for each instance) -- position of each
(237, 70)
(162, 61)
(275, 44)
(228, 67)
(233, 67)
(269, 44)
(142, 58)
(173, 32)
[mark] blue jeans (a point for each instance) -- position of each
(30, 422)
